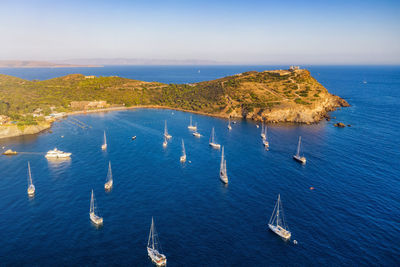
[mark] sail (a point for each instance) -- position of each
(212, 136)
(153, 241)
(298, 147)
(109, 174)
(190, 121)
(165, 129)
(105, 140)
(183, 149)
(265, 132)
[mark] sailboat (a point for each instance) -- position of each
(262, 131)
(154, 247)
(265, 139)
(109, 184)
(222, 170)
(229, 124)
(165, 143)
(92, 213)
(183, 157)
(104, 146)
(277, 222)
(196, 133)
(191, 126)
(297, 157)
(212, 140)
(166, 135)
(31, 187)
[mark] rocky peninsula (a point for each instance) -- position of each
(272, 96)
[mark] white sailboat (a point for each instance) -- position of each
(166, 134)
(109, 184)
(277, 222)
(297, 157)
(262, 131)
(223, 175)
(191, 126)
(265, 139)
(229, 124)
(31, 187)
(196, 133)
(104, 145)
(183, 157)
(92, 213)
(154, 247)
(212, 140)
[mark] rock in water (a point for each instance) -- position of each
(339, 124)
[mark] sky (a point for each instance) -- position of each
(228, 31)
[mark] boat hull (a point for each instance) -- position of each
(156, 257)
(223, 178)
(108, 185)
(302, 160)
(280, 231)
(96, 219)
(64, 155)
(167, 136)
(216, 146)
(31, 190)
(183, 159)
(104, 147)
(192, 128)
(197, 134)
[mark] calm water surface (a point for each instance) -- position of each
(351, 218)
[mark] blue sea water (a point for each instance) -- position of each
(351, 217)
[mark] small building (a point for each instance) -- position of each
(4, 119)
(82, 105)
(90, 77)
(294, 68)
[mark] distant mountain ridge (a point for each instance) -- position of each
(40, 64)
(139, 61)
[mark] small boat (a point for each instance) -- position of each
(109, 184)
(297, 157)
(133, 137)
(223, 175)
(191, 126)
(265, 139)
(166, 135)
(277, 222)
(229, 125)
(183, 157)
(212, 140)
(257, 126)
(154, 247)
(97, 220)
(262, 131)
(165, 143)
(55, 153)
(197, 134)
(10, 152)
(31, 187)
(104, 146)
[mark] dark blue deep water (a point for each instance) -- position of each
(351, 218)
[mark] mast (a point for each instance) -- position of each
(165, 129)
(183, 149)
(262, 127)
(222, 160)
(265, 132)
(92, 203)
(190, 121)
(212, 136)
(29, 173)
(109, 171)
(277, 210)
(152, 232)
(298, 147)
(105, 140)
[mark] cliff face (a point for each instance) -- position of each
(13, 130)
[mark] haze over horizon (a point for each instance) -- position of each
(232, 32)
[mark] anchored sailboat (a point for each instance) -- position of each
(92, 213)
(297, 157)
(104, 146)
(154, 247)
(109, 184)
(166, 135)
(212, 140)
(192, 127)
(223, 175)
(265, 139)
(277, 222)
(262, 131)
(31, 187)
(165, 143)
(183, 157)
(229, 124)
(196, 133)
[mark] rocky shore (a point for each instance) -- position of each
(14, 130)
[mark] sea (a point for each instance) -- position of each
(342, 207)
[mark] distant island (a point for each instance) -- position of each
(40, 64)
(273, 96)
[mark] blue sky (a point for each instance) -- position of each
(243, 32)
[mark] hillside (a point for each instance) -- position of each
(274, 96)
(39, 64)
